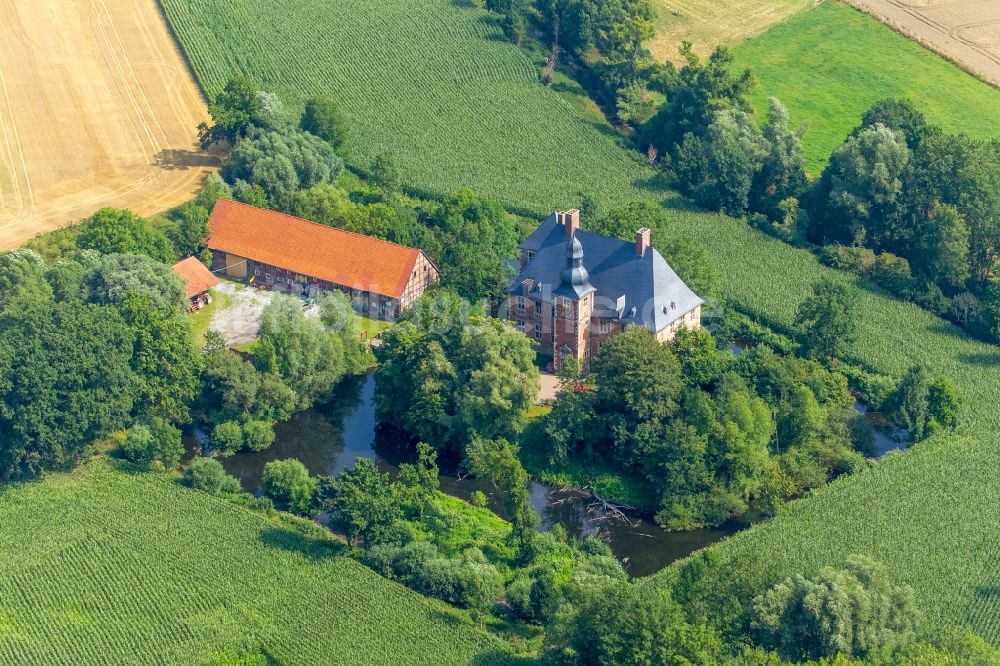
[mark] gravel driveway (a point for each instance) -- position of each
(239, 321)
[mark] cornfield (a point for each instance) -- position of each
(101, 567)
(433, 82)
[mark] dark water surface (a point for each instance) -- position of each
(327, 440)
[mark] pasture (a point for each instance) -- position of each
(100, 566)
(830, 63)
(97, 108)
(929, 512)
(709, 23)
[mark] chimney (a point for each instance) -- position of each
(641, 241)
(571, 221)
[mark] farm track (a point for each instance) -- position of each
(97, 108)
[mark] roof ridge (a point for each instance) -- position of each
(318, 224)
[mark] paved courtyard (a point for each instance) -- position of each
(549, 387)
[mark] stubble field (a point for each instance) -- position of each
(97, 108)
(709, 23)
(965, 31)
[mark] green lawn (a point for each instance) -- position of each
(372, 327)
(829, 64)
(432, 79)
(102, 567)
(201, 318)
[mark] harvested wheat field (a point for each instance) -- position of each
(709, 23)
(97, 108)
(966, 31)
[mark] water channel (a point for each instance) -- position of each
(327, 439)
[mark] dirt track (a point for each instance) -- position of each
(97, 108)
(967, 31)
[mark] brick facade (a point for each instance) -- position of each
(571, 299)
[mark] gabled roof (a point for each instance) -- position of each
(622, 279)
(196, 277)
(342, 257)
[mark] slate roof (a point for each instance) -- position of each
(622, 279)
(342, 257)
(196, 277)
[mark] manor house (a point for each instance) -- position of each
(576, 289)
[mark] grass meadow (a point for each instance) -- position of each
(100, 566)
(709, 23)
(831, 63)
(433, 80)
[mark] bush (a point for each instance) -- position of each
(379, 558)
(258, 435)
(893, 274)
(874, 389)
(154, 442)
(227, 438)
(964, 309)
(288, 483)
(852, 611)
(208, 475)
(114, 231)
(518, 597)
(412, 559)
(471, 582)
(855, 259)
(324, 118)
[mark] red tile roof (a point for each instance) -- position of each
(197, 278)
(342, 257)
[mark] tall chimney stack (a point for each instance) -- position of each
(571, 221)
(641, 241)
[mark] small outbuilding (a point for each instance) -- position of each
(197, 280)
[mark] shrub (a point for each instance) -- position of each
(154, 442)
(943, 402)
(872, 388)
(379, 558)
(964, 309)
(855, 259)
(892, 273)
(258, 435)
(851, 611)
(208, 475)
(518, 597)
(412, 559)
(478, 499)
(288, 483)
(227, 438)
(324, 118)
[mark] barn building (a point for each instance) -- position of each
(576, 289)
(197, 281)
(276, 251)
